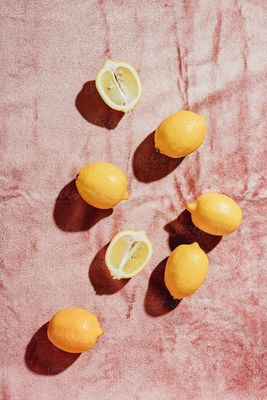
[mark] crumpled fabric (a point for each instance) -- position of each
(205, 56)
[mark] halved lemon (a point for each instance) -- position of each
(128, 253)
(119, 85)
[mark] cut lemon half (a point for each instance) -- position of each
(128, 253)
(119, 85)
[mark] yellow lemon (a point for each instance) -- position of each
(74, 330)
(186, 270)
(215, 213)
(119, 85)
(128, 253)
(180, 134)
(101, 184)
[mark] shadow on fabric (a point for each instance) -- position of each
(183, 231)
(100, 277)
(158, 300)
(42, 358)
(92, 108)
(149, 165)
(73, 214)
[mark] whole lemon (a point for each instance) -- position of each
(186, 270)
(102, 184)
(74, 330)
(180, 134)
(215, 213)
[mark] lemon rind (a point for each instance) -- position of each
(119, 274)
(107, 67)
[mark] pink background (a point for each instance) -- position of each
(206, 56)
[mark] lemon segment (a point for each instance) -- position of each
(119, 85)
(215, 213)
(128, 253)
(111, 89)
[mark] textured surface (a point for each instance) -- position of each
(206, 56)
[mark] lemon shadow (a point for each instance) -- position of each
(149, 165)
(94, 110)
(43, 358)
(73, 214)
(183, 231)
(158, 300)
(100, 277)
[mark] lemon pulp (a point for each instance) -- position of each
(128, 253)
(119, 85)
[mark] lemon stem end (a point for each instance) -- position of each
(191, 207)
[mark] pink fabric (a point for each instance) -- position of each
(206, 56)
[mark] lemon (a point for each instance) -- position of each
(128, 253)
(102, 184)
(180, 134)
(215, 213)
(186, 270)
(119, 85)
(74, 330)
